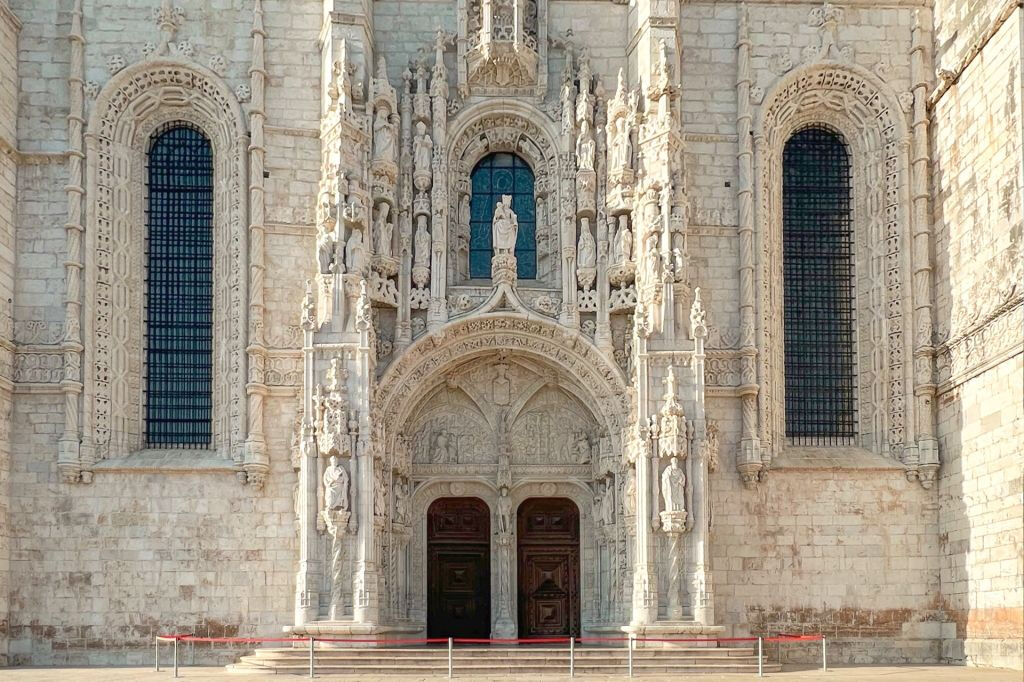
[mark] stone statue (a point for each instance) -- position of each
(354, 251)
(622, 250)
(422, 149)
(444, 452)
(652, 257)
(504, 227)
(383, 137)
(585, 147)
(608, 504)
(581, 447)
(325, 246)
(421, 243)
(622, 148)
(384, 229)
(586, 248)
(629, 492)
(401, 502)
(504, 512)
(335, 486)
(673, 484)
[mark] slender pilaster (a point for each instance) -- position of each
(69, 461)
(257, 464)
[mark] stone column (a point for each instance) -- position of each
(674, 525)
(336, 521)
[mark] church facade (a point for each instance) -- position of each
(511, 318)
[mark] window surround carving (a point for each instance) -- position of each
(867, 115)
(129, 109)
(518, 128)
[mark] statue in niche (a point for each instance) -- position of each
(421, 243)
(652, 257)
(673, 484)
(384, 229)
(335, 486)
(581, 448)
(402, 502)
(608, 504)
(464, 214)
(585, 147)
(383, 137)
(586, 249)
(444, 451)
(622, 148)
(325, 248)
(622, 249)
(502, 387)
(355, 254)
(504, 512)
(629, 492)
(422, 149)
(504, 227)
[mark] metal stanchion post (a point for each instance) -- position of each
(572, 657)
(156, 652)
(312, 669)
(760, 657)
(824, 660)
(175, 656)
(192, 652)
(629, 646)
(450, 640)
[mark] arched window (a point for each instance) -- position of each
(818, 284)
(179, 289)
(495, 175)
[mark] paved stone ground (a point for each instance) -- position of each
(908, 673)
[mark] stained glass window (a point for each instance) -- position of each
(494, 176)
(179, 290)
(818, 289)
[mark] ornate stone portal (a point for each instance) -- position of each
(585, 384)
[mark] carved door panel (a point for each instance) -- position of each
(549, 599)
(458, 568)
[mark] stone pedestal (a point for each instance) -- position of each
(674, 525)
(505, 625)
(336, 521)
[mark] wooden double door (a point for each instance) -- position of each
(548, 531)
(459, 568)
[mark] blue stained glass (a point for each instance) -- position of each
(481, 183)
(502, 181)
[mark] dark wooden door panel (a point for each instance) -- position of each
(548, 568)
(458, 568)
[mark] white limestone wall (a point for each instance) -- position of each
(9, 27)
(97, 569)
(977, 164)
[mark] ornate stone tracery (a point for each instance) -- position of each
(869, 118)
(130, 107)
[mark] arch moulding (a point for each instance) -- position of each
(131, 106)
(867, 114)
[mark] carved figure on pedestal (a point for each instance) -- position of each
(585, 147)
(421, 243)
(621, 146)
(383, 137)
(652, 257)
(629, 492)
(586, 249)
(673, 486)
(336, 486)
(325, 248)
(608, 503)
(504, 227)
(355, 253)
(622, 249)
(384, 229)
(504, 512)
(422, 151)
(401, 502)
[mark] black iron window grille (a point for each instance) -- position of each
(494, 176)
(179, 290)
(818, 284)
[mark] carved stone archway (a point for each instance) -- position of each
(853, 102)
(127, 111)
(425, 363)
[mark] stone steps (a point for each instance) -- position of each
(501, 661)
